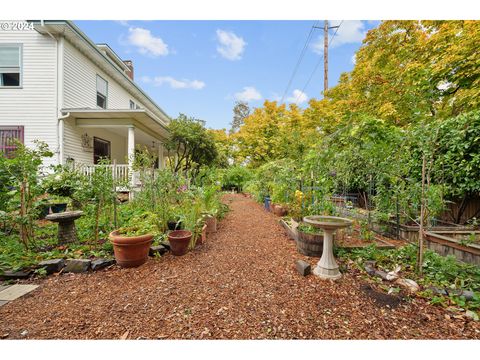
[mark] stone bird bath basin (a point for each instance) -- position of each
(327, 267)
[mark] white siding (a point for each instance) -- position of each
(33, 105)
(74, 150)
(80, 91)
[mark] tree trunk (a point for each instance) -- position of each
(461, 209)
(422, 214)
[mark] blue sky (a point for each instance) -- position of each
(201, 67)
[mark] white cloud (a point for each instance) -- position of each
(298, 97)
(146, 79)
(249, 93)
(174, 83)
(230, 46)
(350, 31)
(146, 42)
(354, 59)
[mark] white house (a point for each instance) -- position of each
(57, 86)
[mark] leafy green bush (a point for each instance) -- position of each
(235, 178)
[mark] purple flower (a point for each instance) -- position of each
(182, 188)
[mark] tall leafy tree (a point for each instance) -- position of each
(241, 111)
(191, 143)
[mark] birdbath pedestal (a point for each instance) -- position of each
(327, 267)
(67, 233)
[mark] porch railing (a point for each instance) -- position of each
(120, 172)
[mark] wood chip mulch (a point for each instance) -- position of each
(241, 284)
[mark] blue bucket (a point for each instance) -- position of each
(267, 203)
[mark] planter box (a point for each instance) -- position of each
(309, 244)
(291, 230)
(448, 243)
(405, 232)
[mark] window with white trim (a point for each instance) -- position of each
(102, 92)
(10, 65)
(132, 105)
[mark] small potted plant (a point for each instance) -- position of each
(175, 219)
(130, 246)
(58, 204)
(179, 241)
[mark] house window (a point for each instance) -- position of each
(8, 137)
(101, 150)
(10, 65)
(102, 91)
(132, 105)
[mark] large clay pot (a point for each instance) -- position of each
(130, 251)
(211, 222)
(179, 241)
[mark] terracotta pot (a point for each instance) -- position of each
(179, 241)
(130, 251)
(211, 222)
(203, 237)
(279, 210)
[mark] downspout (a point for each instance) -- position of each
(59, 100)
(61, 117)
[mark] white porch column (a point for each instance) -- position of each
(131, 152)
(161, 160)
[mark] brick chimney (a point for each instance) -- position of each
(129, 64)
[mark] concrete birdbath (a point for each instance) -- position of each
(67, 233)
(327, 267)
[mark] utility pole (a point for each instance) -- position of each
(325, 52)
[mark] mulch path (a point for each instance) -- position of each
(242, 284)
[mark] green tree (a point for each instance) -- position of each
(241, 111)
(191, 143)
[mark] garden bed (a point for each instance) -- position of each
(405, 232)
(190, 297)
(461, 244)
(347, 239)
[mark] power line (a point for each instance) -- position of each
(302, 53)
(317, 65)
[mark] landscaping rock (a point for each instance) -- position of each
(467, 294)
(158, 249)
(52, 266)
(77, 265)
(408, 284)
(13, 275)
(166, 245)
(101, 263)
(303, 267)
(438, 291)
(472, 315)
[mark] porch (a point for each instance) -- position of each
(91, 135)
